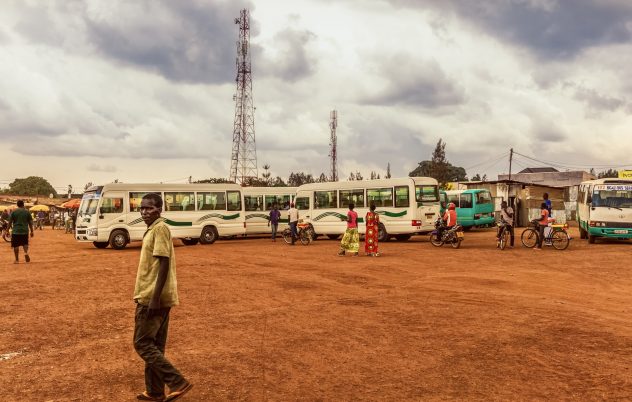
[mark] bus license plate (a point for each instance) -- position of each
(621, 231)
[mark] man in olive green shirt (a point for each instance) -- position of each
(155, 293)
(20, 221)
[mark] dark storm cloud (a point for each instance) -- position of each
(293, 61)
(197, 44)
(549, 134)
(553, 29)
(414, 84)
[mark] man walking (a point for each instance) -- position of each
(275, 214)
(155, 293)
(21, 221)
(293, 214)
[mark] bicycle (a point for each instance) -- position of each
(58, 224)
(503, 235)
(305, 234)
(6, 233)
(558, 236)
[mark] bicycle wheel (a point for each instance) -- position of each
(287, 235)
(529, 238)
(303, 236)
(504, 237)
(560, 240)
(6, 235)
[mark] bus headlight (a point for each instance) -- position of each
(92, 232)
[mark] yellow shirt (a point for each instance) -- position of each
(156, 243)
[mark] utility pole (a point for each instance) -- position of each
(510, 158)
(243, 164)
(333, 148)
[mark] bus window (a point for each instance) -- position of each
(612, 196)
(112, 206)
(211, 201)
(484, 197)
(325, 199)
(302, 203)
(352, 196)
(401, 196)
(426, 193)
(253, 202)
(136, 197)
(466, 200)
(380, 197)
(453, 198)
(179, 202)
(234, 200)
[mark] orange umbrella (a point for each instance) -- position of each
(71, 204)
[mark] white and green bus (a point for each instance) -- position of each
(406, 206)
(257, 204)
(110, 214)
(604, 209)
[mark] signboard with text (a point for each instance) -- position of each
(625, 174)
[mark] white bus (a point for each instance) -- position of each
(406, 206)
(110, 214)
(257, 204)
(604, 209)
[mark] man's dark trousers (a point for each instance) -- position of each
(150, 339)
(294, 232)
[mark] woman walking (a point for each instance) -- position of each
(372, 227)
(351, 239)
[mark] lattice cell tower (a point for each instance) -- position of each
(333, 151)
(243, 165)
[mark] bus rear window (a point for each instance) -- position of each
(483, 197)
(426, 193)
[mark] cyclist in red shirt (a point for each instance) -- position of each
(449, 218)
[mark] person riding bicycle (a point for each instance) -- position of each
(507, 217)
(449, 220)
(542, 223)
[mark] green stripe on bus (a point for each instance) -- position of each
(392, 214)
(174, 223)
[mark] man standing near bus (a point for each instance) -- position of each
(21, 221)
(293, 214)
(275, 214)
(155, 293)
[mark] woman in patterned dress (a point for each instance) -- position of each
(351, 239)
(370, 238)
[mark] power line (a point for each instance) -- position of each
(571, 166)
(501, 156)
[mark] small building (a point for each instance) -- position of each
(526, 199)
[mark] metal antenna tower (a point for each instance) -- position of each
(243, 164)
(333, 150)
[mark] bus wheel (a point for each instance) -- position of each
(118, 240)
(100, 244)
(403, 237)
(382, 235)
(190, 242)
(209, 235)
(333, 236)
(591, 239)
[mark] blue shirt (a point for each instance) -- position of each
(275, 214)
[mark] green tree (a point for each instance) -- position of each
(266, 175)
(278, 182)
(322, 179)
(388, 171)
(439, 167)
(476, 177)
(610, 173)
(299, 178)
(215, 180)
(32, 185)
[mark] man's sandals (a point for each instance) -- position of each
(162, 398)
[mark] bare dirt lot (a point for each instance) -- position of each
(265, 321)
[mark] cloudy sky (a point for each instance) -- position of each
(92, 91)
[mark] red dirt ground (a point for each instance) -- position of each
(265, 321)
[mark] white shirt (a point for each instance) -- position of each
(293, 214)
(505, 215)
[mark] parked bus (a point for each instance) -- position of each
(604, 209)
(257, 204)
(474, 208)
(406, 206)
(110, 214)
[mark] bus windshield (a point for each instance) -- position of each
(612, 196)
(427, 193)
(89, 203)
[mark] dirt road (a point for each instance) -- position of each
(265, 321)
